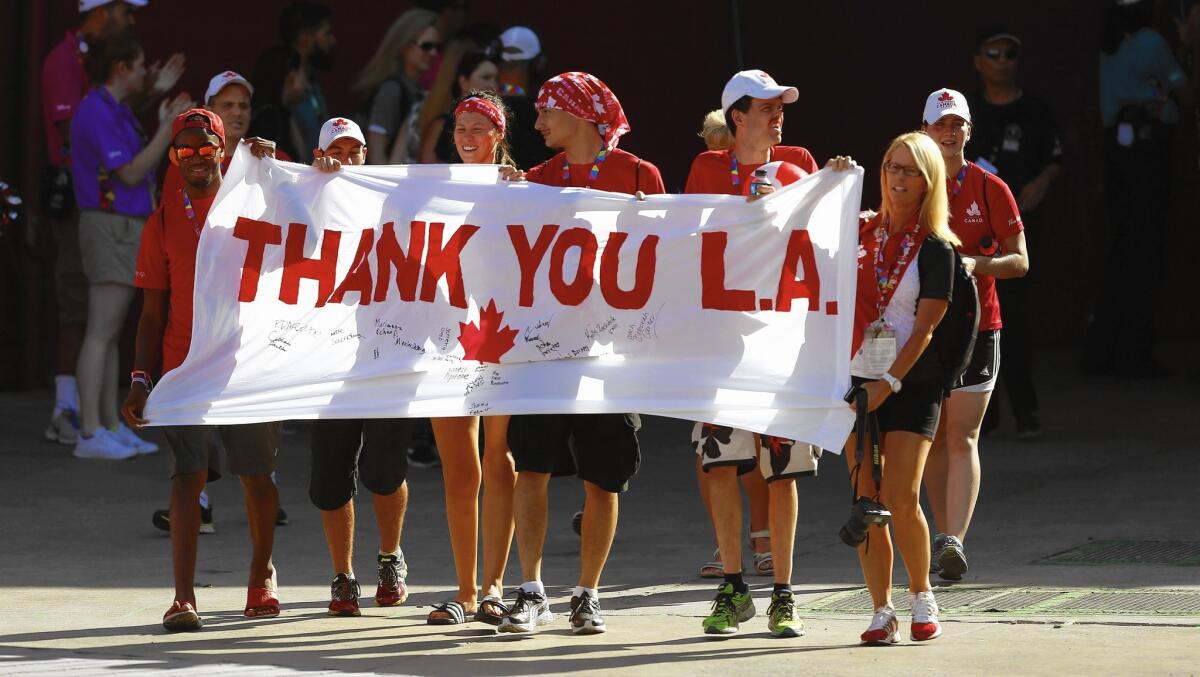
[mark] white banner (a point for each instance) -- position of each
(437, 290)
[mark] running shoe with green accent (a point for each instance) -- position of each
(782, 620)
(728, 609)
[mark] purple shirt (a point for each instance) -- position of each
(105, 135)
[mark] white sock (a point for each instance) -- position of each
(579, 590)
(349, 575)
(64, 394)
(395, 554)
(204, 498)
(534, 586)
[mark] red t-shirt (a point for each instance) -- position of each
(167, 261)
(173, 179)
(984, 207)
(64, 84)
(621, 173)
(711, 169)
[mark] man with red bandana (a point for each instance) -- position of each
(580, 116)
(165, 271)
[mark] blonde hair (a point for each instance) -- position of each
(441, 94)
(714, 132)
(388, 59)
(935, 205)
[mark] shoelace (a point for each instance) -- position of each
(924, 608)
(785, 607)
(588, 605)
(883, 619)
(724, 604)
(525, 602)
(389, 573)
(344, 589)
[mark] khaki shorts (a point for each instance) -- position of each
(249, 449)
(777, 458)
(70, 284)
(108, 246)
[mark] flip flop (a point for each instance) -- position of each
(491, 617)
(456, 611)
(261, 603)
(182, 617)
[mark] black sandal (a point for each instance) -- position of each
(490, 617)
(456, 611)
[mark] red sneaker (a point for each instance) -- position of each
(391, 590)
(182, 617)
(883, 628)
(343, 593)
(925, 625)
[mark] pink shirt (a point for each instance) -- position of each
(64, 84)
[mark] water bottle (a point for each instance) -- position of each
(760, 179)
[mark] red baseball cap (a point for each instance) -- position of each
(199, 118)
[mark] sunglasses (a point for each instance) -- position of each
(995, 54)
(894, 168)
(429, 46)
(185, 152)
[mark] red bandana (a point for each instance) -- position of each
(485, 108)
(585, 97)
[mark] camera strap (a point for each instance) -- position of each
(866, 422)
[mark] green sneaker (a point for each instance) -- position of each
(728, 609)
(781, 616)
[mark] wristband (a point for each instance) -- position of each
(139, 376)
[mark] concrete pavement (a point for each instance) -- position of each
(84, 577)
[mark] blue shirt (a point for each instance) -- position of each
(105, 136)
(1141, 72)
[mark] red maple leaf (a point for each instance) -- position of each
(945, 96)
(487, 342)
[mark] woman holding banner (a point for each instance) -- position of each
(480, 137)
(897, 368)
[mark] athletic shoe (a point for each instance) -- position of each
(939, 543)
(577, 523)
(64, 427)
(182, 617)
(782, 620)
(925, 624)
(130, 439)
(529, 611)
(585, 615)
(162, 520)
(883, 628)
(343, 596)
(105, 445)
(952, 560)
(391, 590)
(281, 518)
(728, 609)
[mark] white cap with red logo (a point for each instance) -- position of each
(337, 128)
(222, 80)
(756, 84)
(86, 5)
(520, 44)
(945, 102)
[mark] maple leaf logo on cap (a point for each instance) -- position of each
(340, 122)
(945, 96)
(488, 342)
(229, 74)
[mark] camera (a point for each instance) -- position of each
(863, 514)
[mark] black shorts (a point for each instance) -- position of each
(914, 409)
(345, 450)
(598, 448)
(981, 373)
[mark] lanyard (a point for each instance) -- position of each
(958, 182)
(733, 167)
(886, 280)
(190, 211)
(595, 172)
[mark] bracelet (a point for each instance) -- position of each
(139, 376)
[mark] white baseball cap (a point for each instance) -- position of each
(222, 80)
(945, 102)
(756, 84)
(85, 5)
(520, 44)
(337, 128)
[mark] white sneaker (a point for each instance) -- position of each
(883, 628)
(64, 427)
(131, 439)
(925, 623)
(104, 444)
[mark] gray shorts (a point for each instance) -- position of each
(249, 449)
(108, 246)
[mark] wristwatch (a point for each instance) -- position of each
(893, 382)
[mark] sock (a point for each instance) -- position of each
(579, 590)
(534, 586)
(395, 553)
(780, 587)
(64, 394)
(349, 574)
(204, 499)
(739, 585)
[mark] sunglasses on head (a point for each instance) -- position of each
(185, 152)
(995, 53)
(430, 46)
